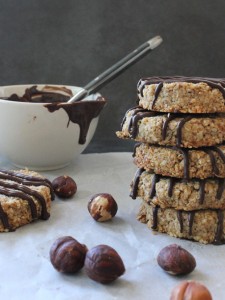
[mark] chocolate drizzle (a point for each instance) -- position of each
(81, 113)
(138, 114)
(172, 181)
(134, 190)
(169, 118)
(202, 191)
(135, 148)
(155, 217)
(219, 232)
(191, 215)
(212, 82)
(221, 186)
(157, 92)
(152, 193)
(186, 161)
(213, 161)
(180, 127)
(11, 192)
(220, 152)
(180, 219)
(4, 219)
(16, 184)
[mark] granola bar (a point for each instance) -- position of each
(177, 193)
(205, 226)
(182, 94)
(183, 130)
(180, 162)
(25, 196)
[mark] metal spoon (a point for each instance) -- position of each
(105, 77)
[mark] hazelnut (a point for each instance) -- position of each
(103, 264)
(190, 290)
(67, 255)
(176, 260)
(102, 207)
(64, 186)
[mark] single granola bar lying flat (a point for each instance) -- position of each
(25, 196)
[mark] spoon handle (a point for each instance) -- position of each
(97, 83)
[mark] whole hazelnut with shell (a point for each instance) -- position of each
(64, 186)
(190, 290)
(67, 255)
(176, 260)
(102, 207)
(103, 264)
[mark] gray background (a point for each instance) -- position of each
(72, 41)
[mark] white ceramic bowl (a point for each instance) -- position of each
(33, 137)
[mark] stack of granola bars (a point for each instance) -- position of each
(179, 125)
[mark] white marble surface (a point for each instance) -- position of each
(25, 269)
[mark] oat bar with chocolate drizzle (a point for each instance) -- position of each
(205, 226)
(182, 130)
(25, 196)
(178, 193)
(182, 94)
(181, 162)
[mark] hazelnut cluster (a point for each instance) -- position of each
(101, 263)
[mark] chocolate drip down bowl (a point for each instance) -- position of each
(40, 130)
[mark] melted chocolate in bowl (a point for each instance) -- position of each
(80, 112)
(45, 95)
